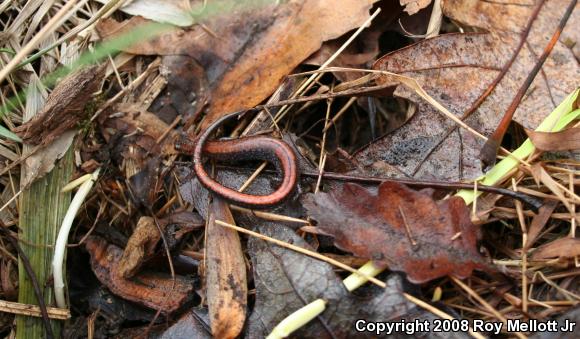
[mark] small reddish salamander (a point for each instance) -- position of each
(246, 148)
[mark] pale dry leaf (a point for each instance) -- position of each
(43, 160)
(175, 12)
(414, 6)
(541, 175)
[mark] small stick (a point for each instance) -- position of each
(33, 310)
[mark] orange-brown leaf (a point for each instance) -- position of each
(227, 289)
(154, 290)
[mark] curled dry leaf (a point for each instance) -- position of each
(226, 282)
(405, 229)
(154, 290)
(457, 70)
(145, 237)
(247, 50)
(64, 107)
(564, 247)
(140, 245)
(568, 139)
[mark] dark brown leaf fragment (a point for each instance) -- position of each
(539, 221)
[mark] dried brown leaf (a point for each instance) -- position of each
(226, 284)
(414, 6)
(405, 229)
(539, 221)
(140, 245)
(541, 175)
(457, 69)
(247, 50)
(568, 139)
(145, 238)
(563, 247)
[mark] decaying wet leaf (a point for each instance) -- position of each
(64, 107)
(457, 69)
(226, 283)
(406, 229)
(137, 121)
(154, 290)
(286, 280)
(568, 139)
(563, 247)
(187, 91)
(246, 49)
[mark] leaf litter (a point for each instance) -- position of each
(222, 56)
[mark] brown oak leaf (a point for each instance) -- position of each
(405, 229)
